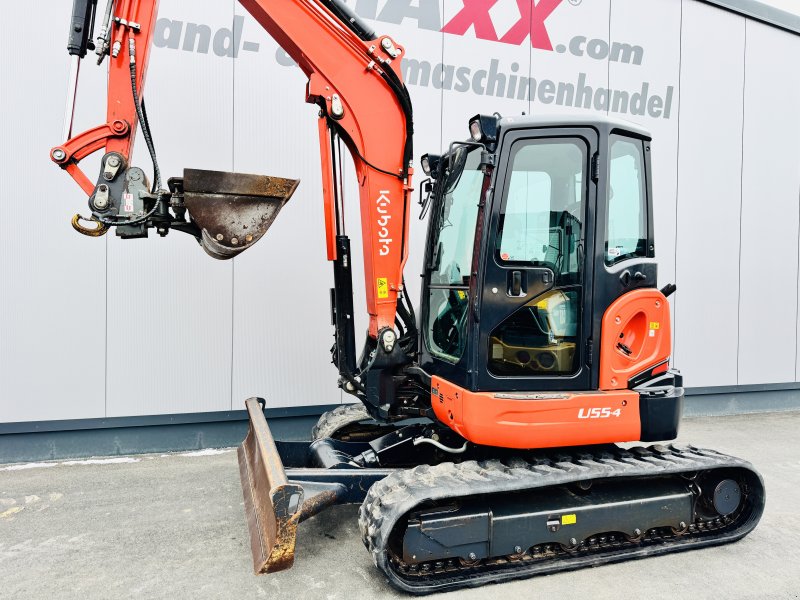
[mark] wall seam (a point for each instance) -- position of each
(441, 96)
(677, 179)
(233, 168)
(233, 308)
(608, 58)
(741, 207)
(797, 295)
(105, 336)
(530, 64)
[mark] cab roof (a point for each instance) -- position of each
(593, 120)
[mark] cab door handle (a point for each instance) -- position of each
(515, 283)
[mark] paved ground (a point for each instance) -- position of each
(172, 526)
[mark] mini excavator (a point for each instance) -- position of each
(483, 446)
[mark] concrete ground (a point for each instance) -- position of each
(172, 526)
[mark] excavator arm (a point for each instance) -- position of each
(354, 77)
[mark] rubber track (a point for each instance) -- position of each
(392, 498)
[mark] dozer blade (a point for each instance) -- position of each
(272, 504)
(233, 210)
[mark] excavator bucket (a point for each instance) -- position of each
(233, 210)
(272, 504)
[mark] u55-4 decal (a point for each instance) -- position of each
(598, 413)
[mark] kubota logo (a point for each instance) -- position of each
(384, 240)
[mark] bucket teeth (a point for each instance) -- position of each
(233, 210)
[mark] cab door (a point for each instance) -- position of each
(532, 313)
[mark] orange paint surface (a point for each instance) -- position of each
(537, 420)
(636, 336)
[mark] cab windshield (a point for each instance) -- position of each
(450, 252)
(454, 220)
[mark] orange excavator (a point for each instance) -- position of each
(482, 447)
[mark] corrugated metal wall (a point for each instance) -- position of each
(100, 327)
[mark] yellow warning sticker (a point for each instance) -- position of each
(569, 519)
(383, 287)
(461, 294)
(655, 325)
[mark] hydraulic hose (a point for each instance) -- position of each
(144, 125)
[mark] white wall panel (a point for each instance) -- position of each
(709, 195)
(572, 69)
(52, 281)
(282, 331)
(170, 305)
(770, 186)
(482, 75)
(655, 28)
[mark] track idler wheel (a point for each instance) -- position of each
(727, 497)
(719, 496)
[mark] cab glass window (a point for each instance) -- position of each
(450, 254)
(542, 219)
(542, 226)
(626, 227)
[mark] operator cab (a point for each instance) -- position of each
(536, 226)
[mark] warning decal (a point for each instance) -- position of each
(383, 287)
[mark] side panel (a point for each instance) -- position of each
(636, 336)
(769, 226)
(510, 420)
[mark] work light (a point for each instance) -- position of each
(430, 164)
(483, 128)
(475, 131)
